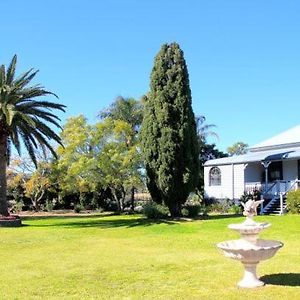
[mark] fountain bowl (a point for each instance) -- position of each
(247, 252)
(250, 254)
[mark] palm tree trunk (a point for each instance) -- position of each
(3, 183)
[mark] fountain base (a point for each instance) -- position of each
(250, 279)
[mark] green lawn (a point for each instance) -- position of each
(127, 257)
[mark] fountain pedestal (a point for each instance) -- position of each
(250, 250)
(250, 279)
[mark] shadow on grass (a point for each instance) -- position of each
(60, 217)
(101, 222)
(218, 217)
(285, 279)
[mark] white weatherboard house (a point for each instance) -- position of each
(273, 167)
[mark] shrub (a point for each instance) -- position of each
(191, 210)
(49, 205)
(153, 210)
(78, 208)
(235, 209)
(16, 206)
(194, 199)
(293, 202)
(254, 194)
(209, 201)
(221, 206)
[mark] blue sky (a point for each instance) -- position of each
(243, 56)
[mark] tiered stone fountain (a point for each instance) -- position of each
(249, 249)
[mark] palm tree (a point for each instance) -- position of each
(204, 130)
(23, 120)
(128, 110)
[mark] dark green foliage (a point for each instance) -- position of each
(191, 210)
(255, 194)
(293, 202)
(235, 209)
(169, 139)
(78, 208)
(153, 210)
(208, 151)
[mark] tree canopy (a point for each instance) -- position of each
(238, 148)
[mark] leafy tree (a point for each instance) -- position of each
(37, 186)
(169, 138)
(31, 184)
(75, 166)
(97, 158)
(23, 117)
(130, 111)
(120, 162)
(238, 148)
(16, 179)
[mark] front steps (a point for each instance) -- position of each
(274, 208)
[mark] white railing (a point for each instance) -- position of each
(293, 186)
(273, 188)
(252, 186)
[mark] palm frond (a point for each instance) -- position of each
(48, 119)
(43, 141)
(15, 140)
(2, 78)
(24, 79)
(10, 74)
(29, 147)
(24, 105)
(8, 112)
(45, 115)
(26, 119)
(31, 93)
(47, 131)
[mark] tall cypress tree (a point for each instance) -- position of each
(168, 135)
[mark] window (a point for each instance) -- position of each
(215, 176)
(275, 171)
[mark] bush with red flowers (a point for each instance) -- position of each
(10, 217)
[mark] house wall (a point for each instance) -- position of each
(290, 169)
(226, 189)
(239, 180)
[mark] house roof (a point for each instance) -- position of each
(287, 139)
(285, 145)
(268, 155)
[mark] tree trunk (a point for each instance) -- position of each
(3, 182)
(36, 200)
(116, 198)
(175, 210)
(132, 198)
